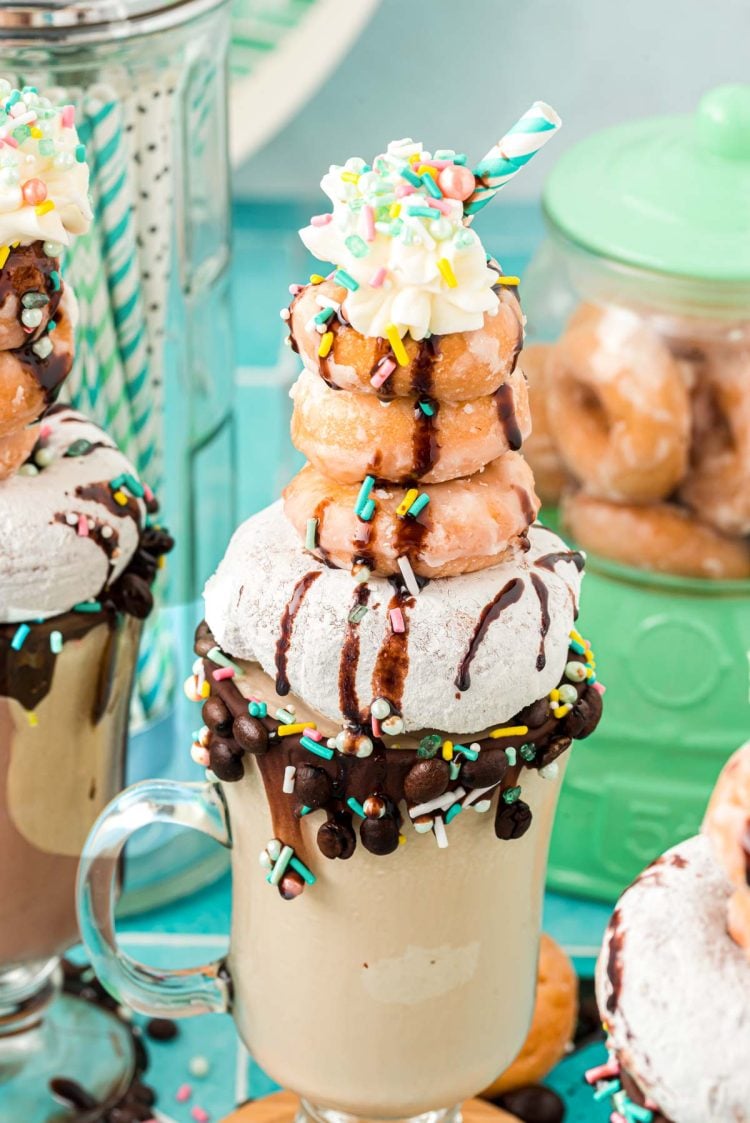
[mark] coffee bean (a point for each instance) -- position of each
(291, 885)
(132, 595)
(512, 819)
(161, 1029)
(534, 715)
(379, 836)
(226, 761)
(71, 1093)
(426, 780)
(489, 768)
(336, 839)
(216, 715)
(250, 734)
(312, 786)
(534, 1104)
(584, 717)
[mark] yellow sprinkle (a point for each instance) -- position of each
(45, 207)
(162, 562)
(14, 245)
(426, 168)
(508, 281)
(316, 279)
(394, 210)
(554, 695)
(120, 497)
(414, 158)
(397, 345)
(447, 750)
(326, 344)
(446, 271)
(577, 637)
(407, 501)
(402, 840)
(350, 177)
(561, 711)
(510, 731)
(290, 730)
(4, 255)
(33, 719)
(36, 133)
(205, 689)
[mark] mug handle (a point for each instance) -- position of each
(167, 992)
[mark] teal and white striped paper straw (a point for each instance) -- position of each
(506, 158)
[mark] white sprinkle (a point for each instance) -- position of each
(441, 803)
(107, 531)
(274, 848)
(380, 708)
(472, 797)
(550, 771)
(264, 860)
(125, 1013)
(71, 519)
(281, 864)
(408, 575)
(326, 302)
(198, 1067)
(285, 314)
(441, 835)
(483, 805)
(289, 773)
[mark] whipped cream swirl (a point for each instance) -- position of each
(407, 258)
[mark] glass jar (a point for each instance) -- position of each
(154, 363)
(638, 346)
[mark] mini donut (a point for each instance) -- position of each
(15, 449)
(467, 525)
(661, 537)
(27, 270)
(540, 449)
(452, 368)
(727, 824)
(29, 383)
(619, 408)
(552, 1026)
(350, 436)
(717, 486)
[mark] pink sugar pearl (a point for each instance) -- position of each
(456, 182)
(34, 192)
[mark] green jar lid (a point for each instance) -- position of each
(670, 194)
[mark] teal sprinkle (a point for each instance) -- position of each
(88, 606)
(217, 656)
(423, 212)
(257, 709)
(366, 168)
(432, 187)
(427, 409)
(323, 315)
(283, 715)
(455, 768)
(459, 158)
(13, 97)
(418, 505)
(577, 647)
(21, 133)
(640, 1114)
(311, 534)
(51, 325)
(510, 752)
(605, 1090)
(358, 613)
(356, 807)
(55, 279)
(367, 510)
(134, 486)
(396, 227)
(464, 239)
(55, 642)
(305, 810)
(364, 492)
(29, 90)
(469, 753)
(356, 245)
(429, 746)
(510, 795)
(410, 176)
(19, 639)
(451, 813)
(46, 147)
(528, 752)
(81, 153)
(341, 277)
(303, 871)
(314, 747)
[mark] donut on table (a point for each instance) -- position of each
(540, 448)
(661, 537)
(453, 368)
(467, 525)
(619, 407)
(349, 436)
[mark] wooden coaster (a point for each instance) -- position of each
(282, 1107)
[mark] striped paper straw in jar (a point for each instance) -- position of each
(530, 133)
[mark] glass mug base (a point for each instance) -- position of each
(312, 1113)
(47, 1036)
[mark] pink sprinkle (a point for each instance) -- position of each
(651, 1106)
(439, 164)
(83, 526)
(252, 698)
(199, 1115)
(11, 140)
(68, 116)
(44, 432)
(222, 673)
(378, 277)
(602, 1072)
(397, 620)
(385, 369)
(184, 1092)
(368, 221)
(312, 734)
(295, 289)
(200, 755)
(615, 1117)
(441, 205)
(599, 687)
(320, 219)
(404, 189)
(376, 730)
(148, 494)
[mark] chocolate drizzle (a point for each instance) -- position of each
(392, 661)
(506, 412)
(425, 446)
(614, 961)
(349, 662)
(29, 270)
(527, 507)
(542, 593)
(507, 596)
(549, 561)
(287, 627)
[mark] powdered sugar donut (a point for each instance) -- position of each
(661, 536)
(540, 448)
(467, 525)
(349, 436)
(727, 825)
(451, 368)
(619, 407)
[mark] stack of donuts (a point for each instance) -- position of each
(642, 433)
(412, 447)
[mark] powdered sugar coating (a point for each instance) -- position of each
(246, 598)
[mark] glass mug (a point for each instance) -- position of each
(391, 988)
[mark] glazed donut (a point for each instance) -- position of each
(349, 436)
(717, 486)
(661, 537)
(467, 525)
(451, 368)
(26, 271)
(619, 408)
(540, 449)
(727, 824)
(27, 382)
(15, 449)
